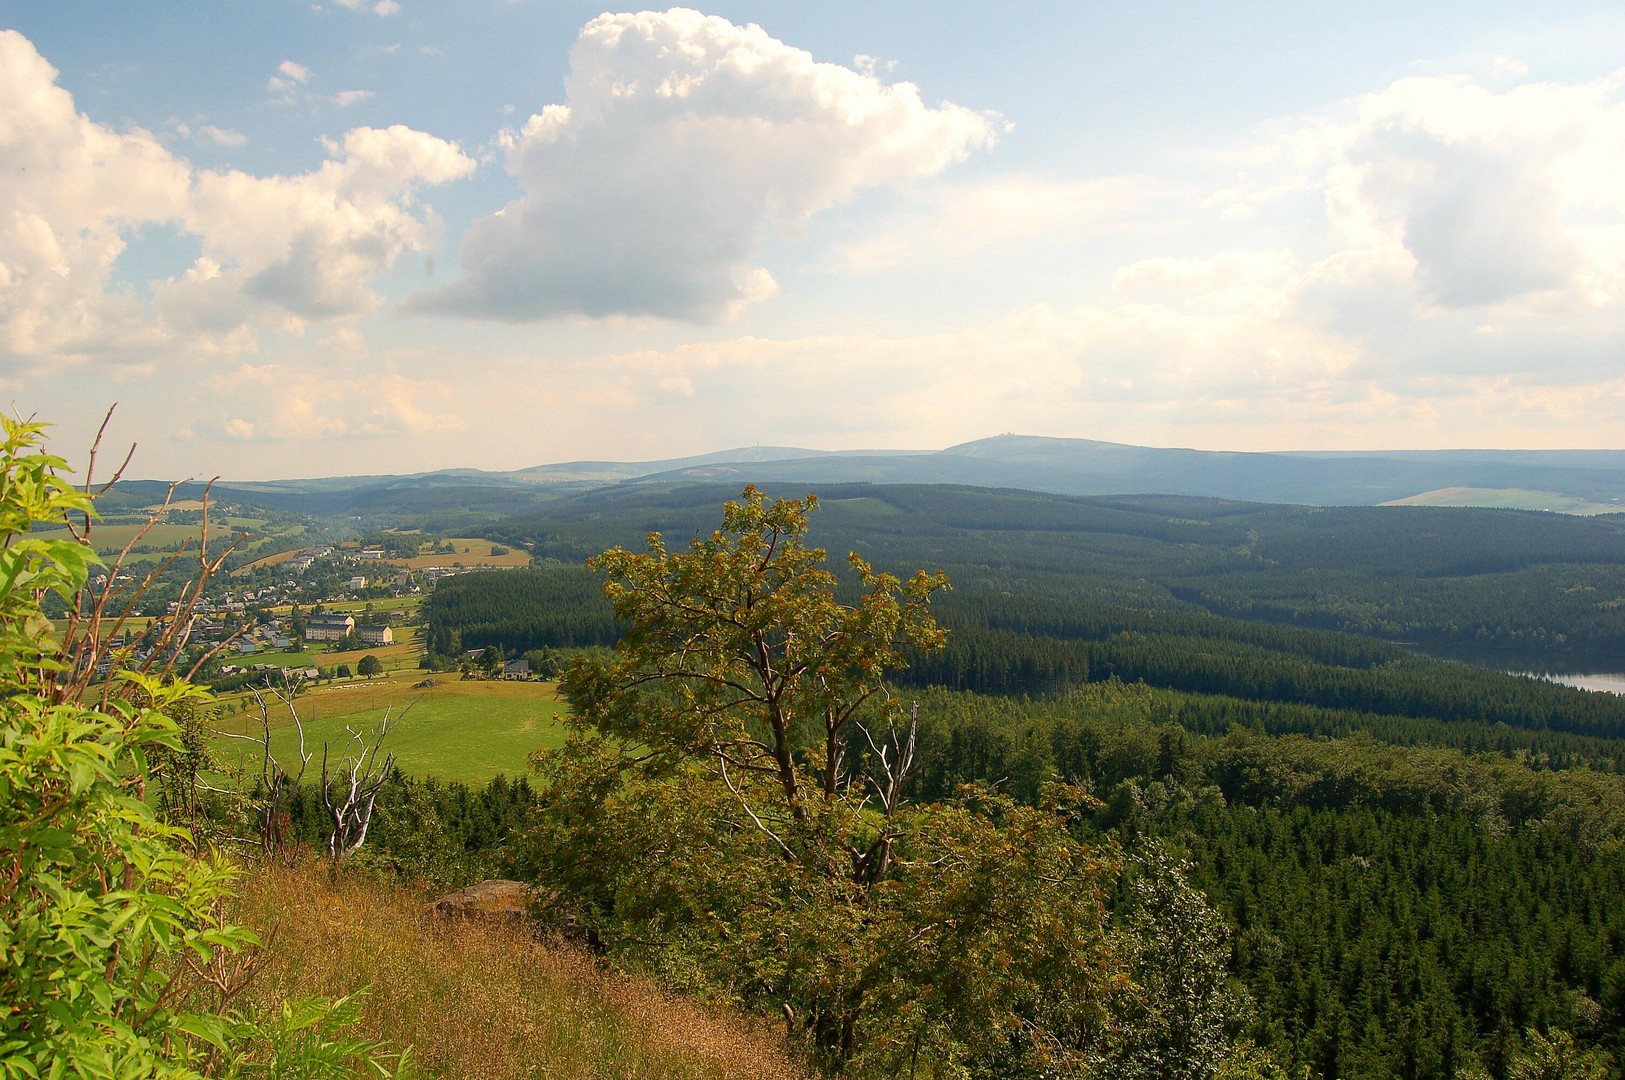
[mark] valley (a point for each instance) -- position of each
(1245, 690)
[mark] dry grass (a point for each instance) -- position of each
(470, 551)
(487, 1001)
(270, 560)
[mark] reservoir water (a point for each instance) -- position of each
(1583, 672)
(1611, 682)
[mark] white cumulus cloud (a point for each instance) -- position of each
(310, 244)
(1487, 198)
(70, 188)
(381, 8)
(682, 138)
(222, 136)
(284, 85)
(274, 248)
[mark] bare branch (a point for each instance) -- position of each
(744, 804)
(350, 811)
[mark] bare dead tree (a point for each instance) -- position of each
(349, 794)
(99, 614)
(277, 787)
(886, 770)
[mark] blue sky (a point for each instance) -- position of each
(394, 235)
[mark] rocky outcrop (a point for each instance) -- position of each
(493, 899)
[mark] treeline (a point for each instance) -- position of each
(1556, 608)
(445, 833)
(1009, 662)
(1544, 584)
(518, 611)
(1212, 715)
(1005, 642)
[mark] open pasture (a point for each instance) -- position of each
(401, 656)
(454, 730)
(270, 560)
(1510, 499)
(471, 551)
(111, 539)
(165, 538)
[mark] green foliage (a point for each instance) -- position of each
(105, 914)
(1182, 1011)
(368, 666)
(730, 808)
(1557, 1057)
(1398, 910)
(983, 949)
(115, 960)
(310, 1038)
(739, 652)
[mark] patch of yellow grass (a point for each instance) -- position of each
(486, 1001)
(400, 654)
(1509, 499)
(470, 552)
(270, 560)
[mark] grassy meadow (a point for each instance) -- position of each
(471, 551)
(110, 539)
(1509, 499)
(484, 1001)
(270, 560)
(454, 730)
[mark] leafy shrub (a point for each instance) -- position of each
(115, 957)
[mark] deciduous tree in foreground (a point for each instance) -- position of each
(731, 805)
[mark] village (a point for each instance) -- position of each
(303, 615)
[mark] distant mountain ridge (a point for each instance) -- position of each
(1092, 467)
(1584, 480)
(610, 471)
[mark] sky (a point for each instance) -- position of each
(388, 236)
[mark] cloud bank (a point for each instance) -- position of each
(274, 250)
(683, 137)
(1487, 198)
(1438, 262)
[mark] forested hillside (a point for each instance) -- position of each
(1543, 584)
(1052, 592)
(1397, 910)
(1421, 862)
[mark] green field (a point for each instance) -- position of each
(467, 731)
(387, 603)
(291, 658)
(110, 539)
(470, 551)
(1509, 499)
